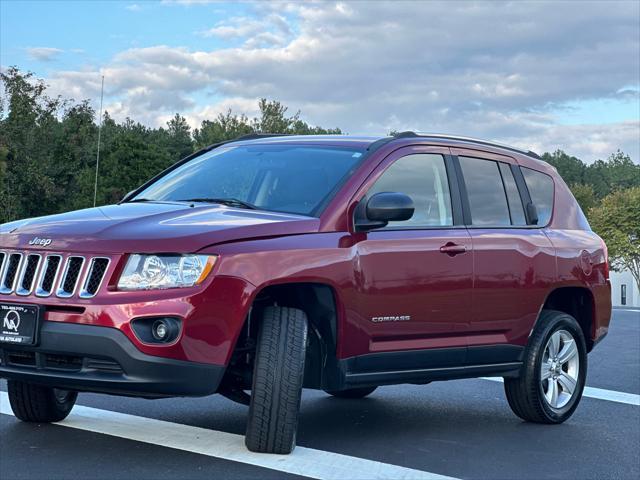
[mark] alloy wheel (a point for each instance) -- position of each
(559, 369)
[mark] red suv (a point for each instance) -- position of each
(273, 263)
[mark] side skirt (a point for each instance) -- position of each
(428, 375)
(424, 366)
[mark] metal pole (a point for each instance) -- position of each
(95, 189)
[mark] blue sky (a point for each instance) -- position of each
(101, 29)
(536, 74)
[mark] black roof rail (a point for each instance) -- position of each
(255, 136)
(478, 141)
(379, 143)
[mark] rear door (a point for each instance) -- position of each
(513, 262)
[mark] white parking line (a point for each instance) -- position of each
(599, 393)
(303, 461)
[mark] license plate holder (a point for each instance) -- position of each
(19, 324)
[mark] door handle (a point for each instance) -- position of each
(452, 249)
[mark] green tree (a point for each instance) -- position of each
(273, 119)
(571, 169)
(28, 131)
(617, 221)
(617, 172)
(225, 127)
(178, 143)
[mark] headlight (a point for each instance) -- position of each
(147, 272)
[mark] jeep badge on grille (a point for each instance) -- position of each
(43, 242)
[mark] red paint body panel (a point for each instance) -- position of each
(492, 294)
(515, 269)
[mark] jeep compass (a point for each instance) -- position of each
(261, 266)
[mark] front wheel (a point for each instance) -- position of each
(39, 404)
(277, 381)
(553, 377)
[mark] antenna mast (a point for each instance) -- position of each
(95, 189)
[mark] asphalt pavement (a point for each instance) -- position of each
(458, 429)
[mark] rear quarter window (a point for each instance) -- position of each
(540, 187)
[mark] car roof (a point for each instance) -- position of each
(369, 142)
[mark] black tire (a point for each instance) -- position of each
(352, 393)
(38, 404)
(526, 394)
(277, 381)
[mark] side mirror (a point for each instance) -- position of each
(532, 214)
(381, 209)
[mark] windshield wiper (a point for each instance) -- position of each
(231, 202)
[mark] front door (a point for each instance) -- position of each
(414, 278)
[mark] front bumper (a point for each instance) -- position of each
(103, 359)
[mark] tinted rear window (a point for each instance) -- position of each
(487, 198)
(515, 202)
(540, 187)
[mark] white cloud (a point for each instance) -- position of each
(269, 31)
(134, 7)
(43, 54)
(495, 69)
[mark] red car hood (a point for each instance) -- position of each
(150, 228)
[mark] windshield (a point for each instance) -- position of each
(283, 178)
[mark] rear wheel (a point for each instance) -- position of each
(35, 403)
(277, 381)
(352, 393)
(551, 384)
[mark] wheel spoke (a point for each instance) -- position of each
(569, 350)
(568, 383)
(554, 345)
(545, 372)
(552, 392)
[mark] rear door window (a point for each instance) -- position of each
(486, 192)
(540, 187)
(513, 196)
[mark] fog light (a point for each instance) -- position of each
(160, 331)
(155, 330)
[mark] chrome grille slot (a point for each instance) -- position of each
(28, 274)
(10, 273)
(95, 275)
(70, 277)
(48, 275)
(42, 274)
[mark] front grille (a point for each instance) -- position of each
(97, 269)
(57, 362)
(10, 273)
(26, 273)
(63, 362)
(21, 359)
(70, 277)
(108, 366)
(49, 275)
